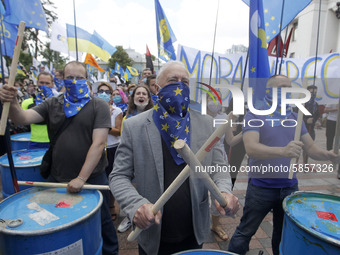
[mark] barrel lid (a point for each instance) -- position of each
(316, 213)
(47, 210)
(23, 137)
(204, 252)
(24, 158)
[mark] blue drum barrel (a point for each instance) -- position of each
(20, 141)
(311, 224)
(27, 167)
(51, 221)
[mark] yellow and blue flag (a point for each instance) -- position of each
(133, 71)
(111, 72)
(165, 35)
(20, 71)
(107, 48)
(8, 34)
(127, 74)
(272, 14)
(29, 11)
(119, 69)
(90, 43)
(258, 55)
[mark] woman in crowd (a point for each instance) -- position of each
(131, 88)
(105, 91)
(139, 101)
(119, 99)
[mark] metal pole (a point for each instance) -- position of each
(75, 27)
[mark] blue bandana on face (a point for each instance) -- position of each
(59, 83)
(171, 116)
(44, 93)
(76, 96)
(277, 113)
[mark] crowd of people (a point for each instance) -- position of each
(123, 136)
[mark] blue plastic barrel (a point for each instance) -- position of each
(311, 224)
(205, 252)
(53, 222)
(20, 141)
(27, 167)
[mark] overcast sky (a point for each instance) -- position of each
(131, 23)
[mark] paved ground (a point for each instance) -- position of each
(326, 183)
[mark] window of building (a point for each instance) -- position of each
(295, 31)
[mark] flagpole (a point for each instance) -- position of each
(283, 49)
(317, 43)
(213, 50)
(279, 39)
(245, 70)
(75, 27)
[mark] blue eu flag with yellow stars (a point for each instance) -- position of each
(272, 14)
(29, 11)
(171, 116)
(258, 55)
(43, 93)
(76, 96)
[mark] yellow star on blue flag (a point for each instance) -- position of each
(272, 14)
(29, 11)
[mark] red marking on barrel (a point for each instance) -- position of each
(30, 183)
(16, 42)
(327, 216)
(211, 145)
(25, 157)
(61, 204)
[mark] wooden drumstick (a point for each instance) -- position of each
(184, 174)
(61, 185)
(189, 157)
(12, 75)
(297, 134)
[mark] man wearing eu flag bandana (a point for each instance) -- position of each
(78, 153)
(146, 153)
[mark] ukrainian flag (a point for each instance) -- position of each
(90, 43)
(133, 71)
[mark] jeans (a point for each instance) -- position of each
(109, 235)
(259, 201)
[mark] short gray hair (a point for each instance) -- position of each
(166, 66)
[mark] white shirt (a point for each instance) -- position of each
(332, 115)
(113, 141)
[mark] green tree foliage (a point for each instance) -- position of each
(121, 57)
(26, 59)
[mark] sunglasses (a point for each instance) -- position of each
(108, 92)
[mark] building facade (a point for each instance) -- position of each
(304, 39)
